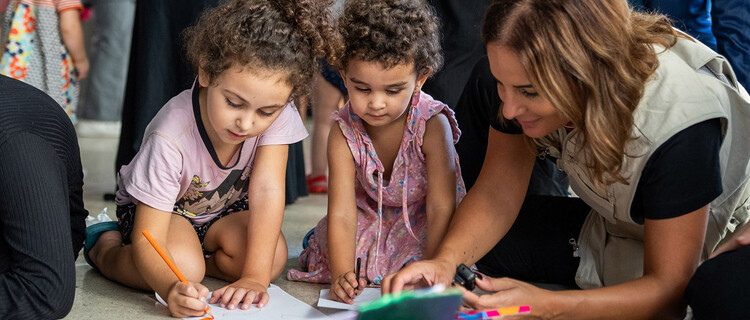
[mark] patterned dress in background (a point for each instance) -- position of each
(390, 238)
(33, 50)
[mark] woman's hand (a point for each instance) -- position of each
(187, 299)
(420, 274)
(344, 287)
(741, 238)
(511, 293)
(244, 291)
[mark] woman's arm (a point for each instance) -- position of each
(483, 216)
(671, 251)
(441, 176)
(492, 205)
(342, 215)
(72, 36)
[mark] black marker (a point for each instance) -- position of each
(359, 265)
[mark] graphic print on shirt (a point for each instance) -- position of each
(198, 201)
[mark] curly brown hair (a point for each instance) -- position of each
(265, 35)
(591, 59)
(391, 32)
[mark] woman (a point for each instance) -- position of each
(642, 118)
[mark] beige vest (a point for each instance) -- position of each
(685, 89)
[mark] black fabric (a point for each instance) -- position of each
(686, 164)
(42, 218)
(159, 70)
(126, 219)
(461, 41)
(718, 290)
(476, 110)
(537, 247)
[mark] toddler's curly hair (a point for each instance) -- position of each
(264, 35)
(390, 32)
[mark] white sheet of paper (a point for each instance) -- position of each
(367, 295)
(281, 305)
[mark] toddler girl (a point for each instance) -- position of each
(394, 172)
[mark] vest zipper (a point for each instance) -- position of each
(574, 244)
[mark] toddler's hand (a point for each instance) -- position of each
(187, 299)
(243, 291)
(81, 68)
(343, 287)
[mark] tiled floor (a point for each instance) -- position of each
(99, 298)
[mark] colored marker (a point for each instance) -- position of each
(489, 314)
(170, 264)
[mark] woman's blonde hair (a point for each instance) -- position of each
(590, 59)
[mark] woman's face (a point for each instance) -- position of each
(521, 101)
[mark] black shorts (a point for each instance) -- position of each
(126, 220)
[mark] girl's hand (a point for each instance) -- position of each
(81, 68)
(187, 299)
(510, 293)
(244, 291)
(343, 287)
(739, 239)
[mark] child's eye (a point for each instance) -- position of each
(365, 90)
(529, 94)
(235, 105)
(265, 114)
(393, 91)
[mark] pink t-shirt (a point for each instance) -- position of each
(177, 170)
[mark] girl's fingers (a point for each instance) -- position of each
(237, 297)
(263, 300)
(190, 305)
(351, 278)
(228, 294)
(347, 287)
(217, 294)
(341, 294)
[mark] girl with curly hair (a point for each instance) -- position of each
(208, 181)
(395, 179)
(650, 126)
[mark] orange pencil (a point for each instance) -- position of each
(169, 263)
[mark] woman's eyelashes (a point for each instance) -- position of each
(529, 94)
(523, 91)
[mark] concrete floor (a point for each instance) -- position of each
(100, 298)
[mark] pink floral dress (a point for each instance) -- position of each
(391, 216)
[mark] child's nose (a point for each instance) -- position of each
(245, 122)
(378, 102)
